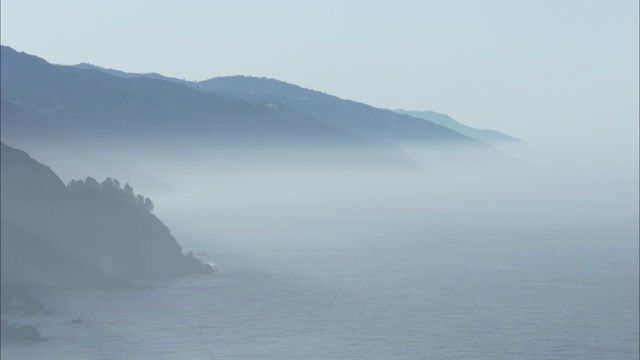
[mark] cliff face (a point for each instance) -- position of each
(88, 235)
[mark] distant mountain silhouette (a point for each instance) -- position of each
(123, 74)
(488, 136)
(82, 236)
(93, 103)
(362, 119)
(357, 117)
(18, 124)
(88, 103)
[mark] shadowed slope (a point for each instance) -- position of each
(70, 237)
(358, 118)
(88, 102)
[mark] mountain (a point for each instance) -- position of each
(489, 136)
(362, 119)
(86, 235)
(124, 74)
(18, 124)
(89, 104)
(357, 117)
(86, 103)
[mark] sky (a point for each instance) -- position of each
(537, 69)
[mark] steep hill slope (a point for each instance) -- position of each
(116, 109)
(92, 103)
(489, 136)
(358, 118)
(86, 235)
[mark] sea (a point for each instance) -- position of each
(356, 276)
(439, 300)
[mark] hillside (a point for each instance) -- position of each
(362, 119)
(86, 105)
(90, 103)
(84, 235)
(486, 135)
(359, 118)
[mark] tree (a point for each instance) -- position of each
(107, 185)
(91, 183)
(148, 204)
(76, 184)
(110, 190)
(128, 192)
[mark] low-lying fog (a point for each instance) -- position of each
(256, 200)
(321, 260)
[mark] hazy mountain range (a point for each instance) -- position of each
(85, 101)
(489, 136)
(90, 103)
(329, 108)
(362, 119)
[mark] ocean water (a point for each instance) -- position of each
(427, 300)
(314, 269)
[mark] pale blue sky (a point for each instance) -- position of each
(529, 68)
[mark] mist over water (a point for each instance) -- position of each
(337, 229)
(319, 261)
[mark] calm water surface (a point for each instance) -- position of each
(311, 268)
(432, 299)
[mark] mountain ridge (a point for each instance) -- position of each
(371, 122)
(92, 102)
(489, 136)
(486, 135)
(87, 103)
